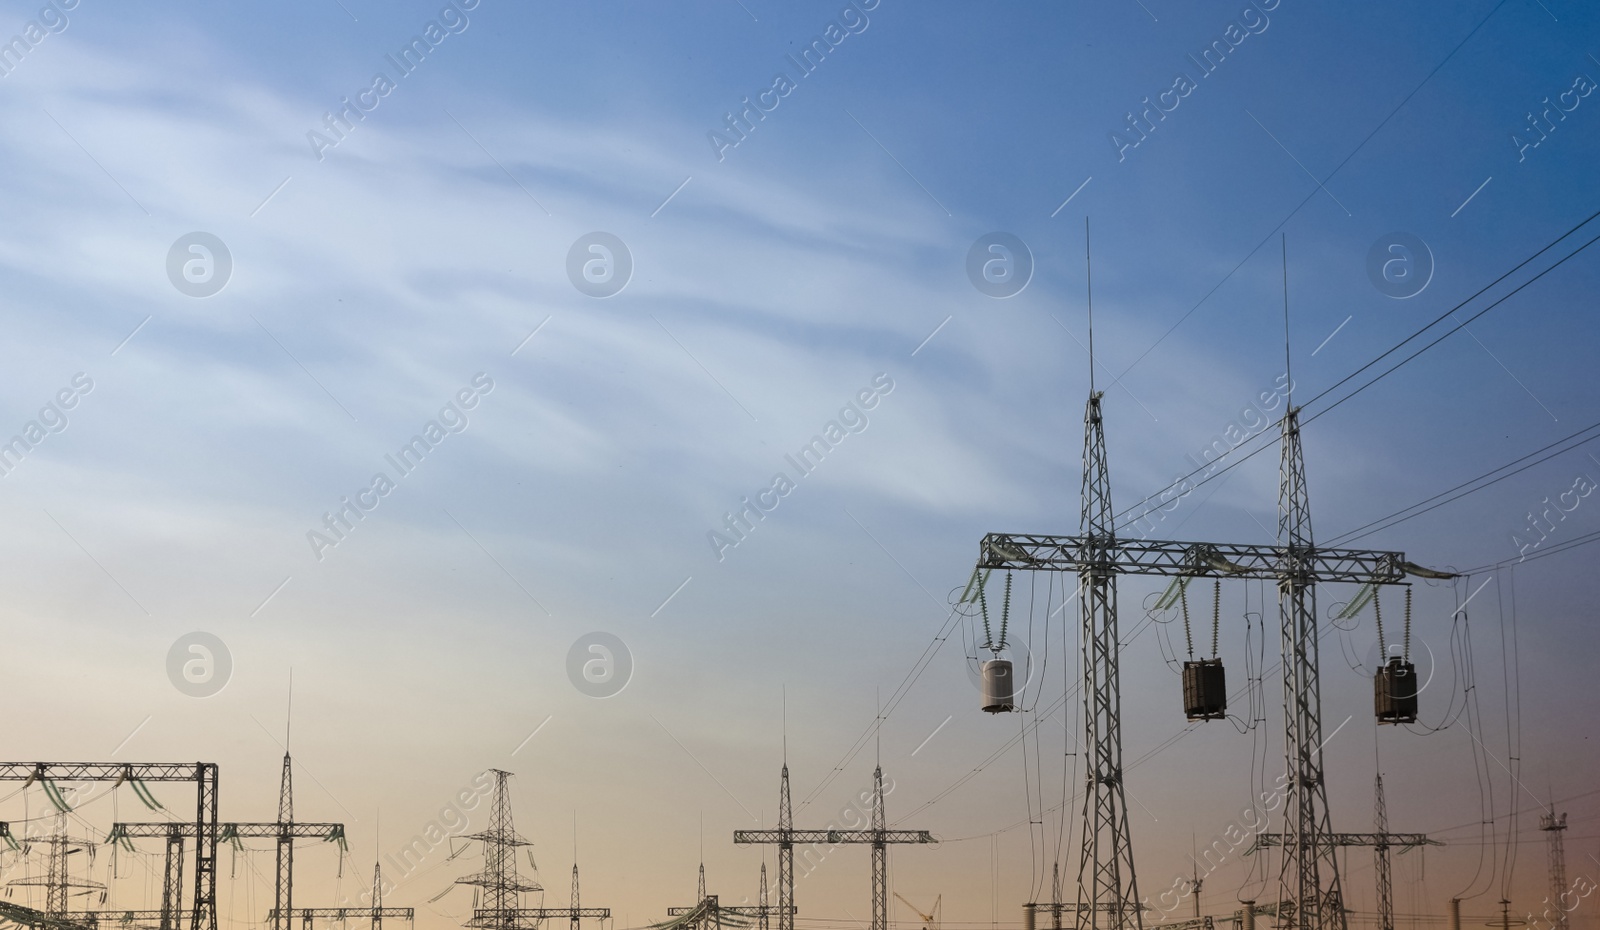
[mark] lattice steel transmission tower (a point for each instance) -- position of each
(1382, 842)
(1554, 825)
(498, 904)
(1107, 883)
(785, 855)
(1310, 875)
(1380, 822)
(285, 883)
(58, 883)
(880, 856)
(878, 836)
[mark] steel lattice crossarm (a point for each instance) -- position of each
(540, 913)
(332, 832)
(527, 918)
(1217, 560)
(741, 910)
(833, 836)
(124, 917)
(485, 878)
(308, 914)
(206, 777)
(104, 771)
(88, 920)
(1402, 841)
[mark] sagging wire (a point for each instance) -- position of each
(1473, 714)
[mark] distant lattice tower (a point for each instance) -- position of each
(1554, 825)
(499, 886)
(58, 884)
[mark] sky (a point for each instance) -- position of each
(408, 380)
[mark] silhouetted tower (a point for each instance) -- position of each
(1554, 826)
(878, 836)
(58, 883)
(761, 902)
(172, 879)
(880, 856)
(1309, 883)
(1107, 884)
(377, 896)
(285, 885)
(499, 885)
(1380, 822)
(574, 916)
(785, 855)
(55, 892)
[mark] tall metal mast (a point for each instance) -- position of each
(1310, 876)
(285, 884)
(55, 893)
(785, 855)
(1107, 883)
(1554, 826)
(880, 856)
(761, 901)
(1380, 822)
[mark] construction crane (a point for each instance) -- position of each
(929, 921)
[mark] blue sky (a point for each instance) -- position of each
(771, 286)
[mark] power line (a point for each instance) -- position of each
(1368, 529)
(1123, 520)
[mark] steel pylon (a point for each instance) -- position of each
(880, 856)
(1380, 822)
(1309, 896)
(1108, 890)
(1554, 825)
(785, 855)
(500, 887)
(284, 905)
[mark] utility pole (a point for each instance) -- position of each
(879, 837)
